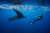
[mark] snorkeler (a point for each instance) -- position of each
(39, 18)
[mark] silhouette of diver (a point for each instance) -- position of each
(39, 18)
(19, 15)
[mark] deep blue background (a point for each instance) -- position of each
(22, 25)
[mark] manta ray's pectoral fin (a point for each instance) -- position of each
(19, 15)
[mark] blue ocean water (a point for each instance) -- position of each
(22, 25)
